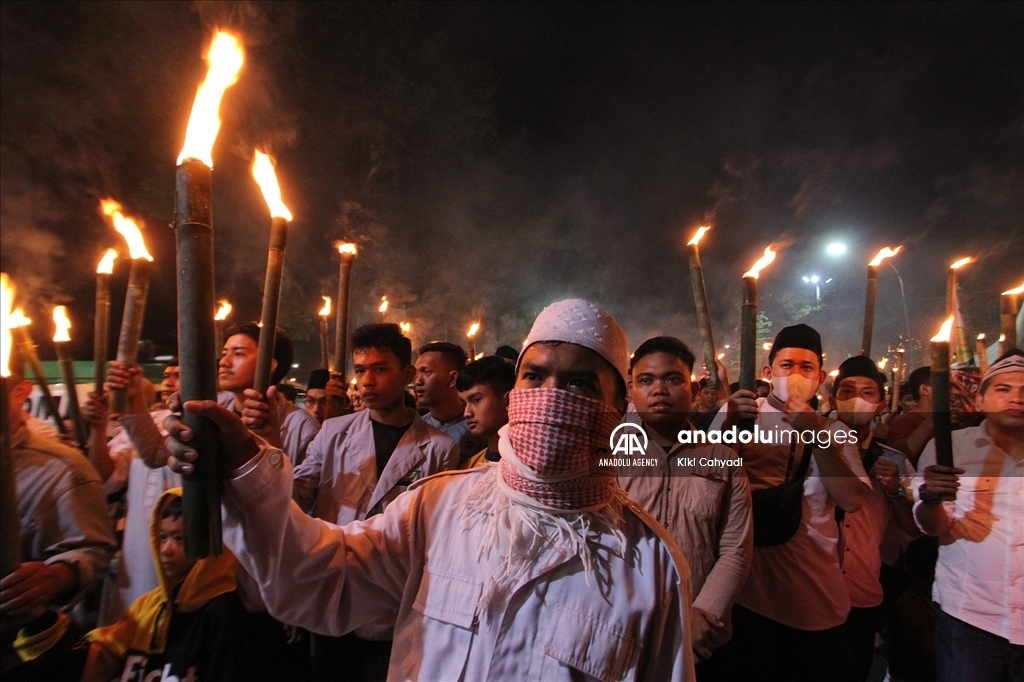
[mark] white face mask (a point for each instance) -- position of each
(856, 411)
(794, 386)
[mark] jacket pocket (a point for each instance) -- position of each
(591, 646)
(448, 598)
(447, 606)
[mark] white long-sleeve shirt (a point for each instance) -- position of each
(979, 577)
(417, 563)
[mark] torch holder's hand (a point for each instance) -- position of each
(259, 414)
(799, 414)
(940, 483)
(121, 376)
(237, 444)
(742, 407)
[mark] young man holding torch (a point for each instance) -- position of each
(293, 427)
(538, 568)
(976, 509)
(791, 613)
(705, 506)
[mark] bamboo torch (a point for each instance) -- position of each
(135, 298)
(61, 339)
(347, 252)
(700, 300)
(18, 323)
(101, 321)
(197, 346)
(223, 310)
(959, 334)
(897, 379)
(869, 302)
(325, 355)
(1009, 304)
(280, 216)
(748, 326)
(940, 395)
(471, 336)
(982, 353)
(10, 534)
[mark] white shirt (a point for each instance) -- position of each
(798, 583)
(979, 577)
(416, 563)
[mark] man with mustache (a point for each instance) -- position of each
(537, 568)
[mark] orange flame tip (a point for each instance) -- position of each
(223, 311)
(473, 329)
(226, 58)
(127, 228)
(326, 310)
(63, 324)
(762, 263)
(944, 332)
(106, 266)
(1011, 292)
(698, 235)
(960, 263)
(347, 248)
(883, 254)
(266, 178)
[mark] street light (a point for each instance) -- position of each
(815, 280)
(836, 249)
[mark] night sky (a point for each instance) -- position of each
(493, 158)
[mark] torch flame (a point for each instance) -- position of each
(981, 336)
(383, 304)
(106, 266)
(18, 319)
(478, 355)
(266, 178)
(223, 311)
(883, 254)
(1018, 290)
(326, 310)
(225, 57)
(1002, 338)
(944, 332)
(405, 327)
(721, 355)
(696, 237)
(474, 328)
(347, 248)
(63, 324)
(6, 322)
(127, 228)
(960, 263)
(762, 263)
(881, 363)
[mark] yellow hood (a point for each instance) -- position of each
(144, 627)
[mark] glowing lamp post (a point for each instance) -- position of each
(700, 300)
(325, 355)
(197, 344)
(135, 298)
(748, 326)
(347, 253)
(280, 216)
(869, 302)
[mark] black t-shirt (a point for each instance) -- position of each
(385, 440)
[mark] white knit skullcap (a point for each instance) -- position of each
(1011, 362)
(584, 324)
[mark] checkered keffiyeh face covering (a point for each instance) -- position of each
(555, 437)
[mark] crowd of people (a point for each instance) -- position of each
(444, 518)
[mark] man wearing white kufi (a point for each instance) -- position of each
(537, 569)
(976, 508)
